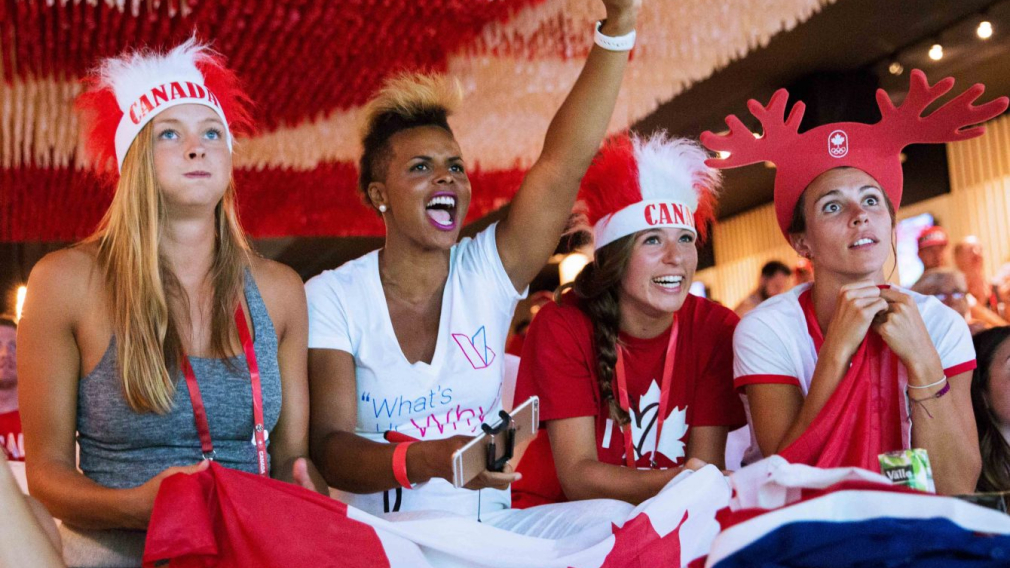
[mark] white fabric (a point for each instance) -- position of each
(578, 534)
(648, 214)
(773, 339)
(459, 390)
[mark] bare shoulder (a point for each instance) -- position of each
(276, 279)
(283, 293)
(68, 275)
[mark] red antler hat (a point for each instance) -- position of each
(873, 148)
(125, 93)
(636, 184)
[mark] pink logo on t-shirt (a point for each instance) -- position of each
(475, 348)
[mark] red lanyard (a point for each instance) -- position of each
(664, 396)
(200, 412)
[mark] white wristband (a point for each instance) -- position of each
(620, 43)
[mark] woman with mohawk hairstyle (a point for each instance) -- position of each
(410, 339)
(629, 366)
(847, 368)
(162, 340)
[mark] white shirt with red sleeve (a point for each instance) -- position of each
(771, 344)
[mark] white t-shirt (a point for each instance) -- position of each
(455, 394)
(772, 344)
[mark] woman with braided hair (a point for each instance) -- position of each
(631, 369)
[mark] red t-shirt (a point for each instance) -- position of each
(12, 441)
(559, 365)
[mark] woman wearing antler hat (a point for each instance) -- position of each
(411, 338)
(631, 368)
(162, 341)
(842, 370)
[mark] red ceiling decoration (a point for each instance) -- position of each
(310, 65)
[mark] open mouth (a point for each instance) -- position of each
(668, 282)
(863, 243)
(441, 211)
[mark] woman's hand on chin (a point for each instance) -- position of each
(857, 306)
(905, 333)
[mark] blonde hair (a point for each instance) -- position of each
(147, 303)
(408, 100)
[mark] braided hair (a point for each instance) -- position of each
(597, 286)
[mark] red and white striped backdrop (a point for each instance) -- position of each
(309, 66)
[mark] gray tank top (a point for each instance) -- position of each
(121, 448)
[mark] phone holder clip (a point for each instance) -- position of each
(507, 429)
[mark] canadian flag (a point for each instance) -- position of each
(222, 517)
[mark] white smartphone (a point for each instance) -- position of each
(471, 460)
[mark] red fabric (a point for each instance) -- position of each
(12, 441)
(539, 484)
(873, 148)
(331, 58)
(559, 365)
(862, 418)
(223, 517)
(65, 204)
(745, 380)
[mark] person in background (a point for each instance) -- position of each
(11, 439)
(990, 399)
(983, 301)
(775, 278)
(932, 243)
(514, 345)
(950, 287)
(804, 272)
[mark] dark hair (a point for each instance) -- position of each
(376, 155)
(993, 447)
(8, 321)
(774, 267)
(597, 285)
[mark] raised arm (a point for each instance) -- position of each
(544, 201)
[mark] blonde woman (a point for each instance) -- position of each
(162, 341)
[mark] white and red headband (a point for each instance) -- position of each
(125, 93)
(637, 184)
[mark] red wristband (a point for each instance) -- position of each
(400, 464)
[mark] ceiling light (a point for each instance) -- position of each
(895, 68)
(984, 30)
(936, 52)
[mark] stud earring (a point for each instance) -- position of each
(382, 209)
